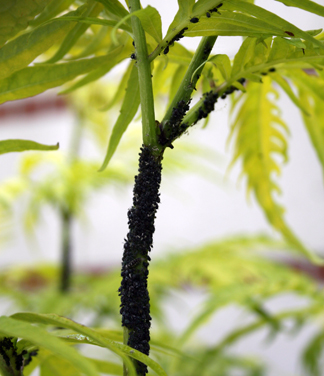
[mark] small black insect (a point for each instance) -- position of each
(272, 70)
(166, 50)
(133, 263)
(223, 96)
(194, 20)
(290, 33)
(133, 43)
(263, 73)
(208, 15)
(133, 56)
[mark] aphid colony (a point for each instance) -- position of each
(21, 360)
(175, 39)
(135, 301)
(208, 14)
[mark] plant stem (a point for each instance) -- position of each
(144, 78)
(192, 75)
(66, 221)
(171, 125)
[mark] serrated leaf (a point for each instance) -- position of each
(92, 335)
(309, 6)
(271, 19)
(91, 10)
(10, 146)
(259, 138)
(20, 52)
(311, 95)
(281, 81)
(15, 16)
(127, 112)
(39, 337)
(34, 80)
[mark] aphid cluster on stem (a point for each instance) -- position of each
(232, 88)
(175, 128)
(8, 351)
(176, 38)
(135, 301)
(208, 105)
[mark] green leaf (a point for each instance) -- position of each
(39, 337)
(107, 367)
(150, 20)
(313, 354)
(271, 19)
(116, 56)
(115, 7)
(232, 24)
(15, 16)
(20, 52)
(223, 63)
(34, 80)
(127, 112)
(54, 8)
(91, 10)
(243, 56)
(309, 6)
(259, 141)
(202, 6)
(9, 146)
(92, 335)
(183, 14)
(119, 94)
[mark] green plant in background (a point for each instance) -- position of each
(72, 39)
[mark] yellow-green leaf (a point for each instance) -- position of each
(34, 80)
(309, 6)
(20, 52)
(259, 142)
(127, 112)
(10, 146)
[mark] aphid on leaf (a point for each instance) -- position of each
(272, 70)
(166, 50)
(208, 15)
(133, 43)
(290, 33)
(133, 56)
(194, 20)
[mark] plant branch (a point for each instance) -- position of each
(170, 127)
(144, 78)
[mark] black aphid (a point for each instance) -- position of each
(272, 70)
(263, 73)
(133, 43)
(133, 56)
(290, 33)
(194, 20)
(166, 50)
(207, 14)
